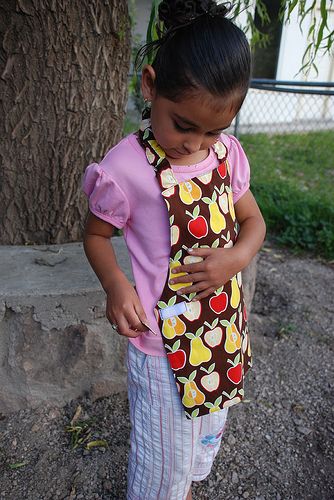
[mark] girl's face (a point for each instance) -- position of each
(188, 128)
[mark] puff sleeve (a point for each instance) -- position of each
(240, 171)
(106, 199)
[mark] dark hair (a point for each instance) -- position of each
(199, 47)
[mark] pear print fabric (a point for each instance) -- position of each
(207, 341)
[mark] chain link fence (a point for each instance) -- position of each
(281, 107)
(272, 107)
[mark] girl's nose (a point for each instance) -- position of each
(193, 144)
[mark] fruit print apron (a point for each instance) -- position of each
(207, 342)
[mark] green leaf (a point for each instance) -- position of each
(195, 413)
(183, 380)
(172, 301)
(233, 393)
(190, 336)
(196, 211)
(292, 5)
(176, 345)
(162, 304)
(99, 442)
(207, 200)
(18, 465)
(215, 323)
(237, 359)
(199, 331)
(224, 322)
(178, 255)
(211, 367)
(233, 318)
(192, 376)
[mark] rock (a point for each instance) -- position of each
(54, 343)
(231, 440)
(107, 485)
(235, 478)
(304, 430)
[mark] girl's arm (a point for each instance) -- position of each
(123, 305)
(220, 264)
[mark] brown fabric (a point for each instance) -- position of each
(207, 344)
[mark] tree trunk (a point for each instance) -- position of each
(63, 89)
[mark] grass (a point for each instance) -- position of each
(293, 182)
(82, 431)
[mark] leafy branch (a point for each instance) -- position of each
(320, 36)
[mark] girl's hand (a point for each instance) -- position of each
(217, 267)
(124, 308)
(221, 264)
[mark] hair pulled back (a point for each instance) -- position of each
(199, 47)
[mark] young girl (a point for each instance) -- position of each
(179, 189)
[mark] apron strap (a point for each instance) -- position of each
(155, 155)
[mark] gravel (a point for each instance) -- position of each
(278, 443)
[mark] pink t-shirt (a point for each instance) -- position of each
(123, 191)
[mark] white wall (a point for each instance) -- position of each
(293, 45)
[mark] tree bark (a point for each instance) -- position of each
(63, 88)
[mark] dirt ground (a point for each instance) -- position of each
(279, 443)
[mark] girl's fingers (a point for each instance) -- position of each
(188, 279)
(124, 328)
(140, 319)
(200, 252)
(189, 268)
(203, 294)
(203, 285)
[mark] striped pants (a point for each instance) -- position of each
(168, 451)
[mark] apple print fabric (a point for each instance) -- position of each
(207, 342)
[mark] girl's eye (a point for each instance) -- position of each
(214, 134)
(181, 129)
(185, 130)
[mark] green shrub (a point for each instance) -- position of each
(292, 180)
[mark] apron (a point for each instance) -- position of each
(207, 342)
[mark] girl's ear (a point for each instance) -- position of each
(148, 82)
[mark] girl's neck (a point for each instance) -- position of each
(191, 159)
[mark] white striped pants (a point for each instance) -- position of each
(168, 451)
